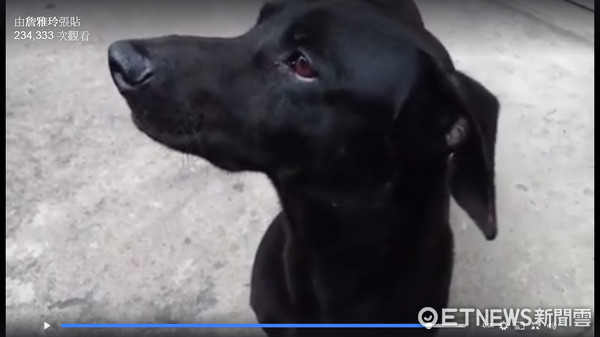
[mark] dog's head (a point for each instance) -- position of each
(325, 87)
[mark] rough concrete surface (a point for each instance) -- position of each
(105, 226)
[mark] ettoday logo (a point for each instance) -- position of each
(517, 319)
(428, 317)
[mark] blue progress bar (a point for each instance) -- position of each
(170, 326)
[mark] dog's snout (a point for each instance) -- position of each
(129, 67)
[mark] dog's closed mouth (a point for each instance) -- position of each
(181, 137)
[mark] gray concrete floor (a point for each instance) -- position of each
(103, 225)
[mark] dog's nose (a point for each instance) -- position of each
(129, 67)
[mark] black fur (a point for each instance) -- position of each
(364, 158)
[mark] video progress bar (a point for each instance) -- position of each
(244, 326)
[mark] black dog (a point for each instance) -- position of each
(356, 114)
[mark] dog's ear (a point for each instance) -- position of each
(471, 138)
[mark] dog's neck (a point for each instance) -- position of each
(367, 210)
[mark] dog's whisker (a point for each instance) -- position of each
(185, 159)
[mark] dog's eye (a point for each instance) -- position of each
(302, 66)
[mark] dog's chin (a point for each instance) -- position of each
(172, 138)
(194, 143)
(228, 165)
